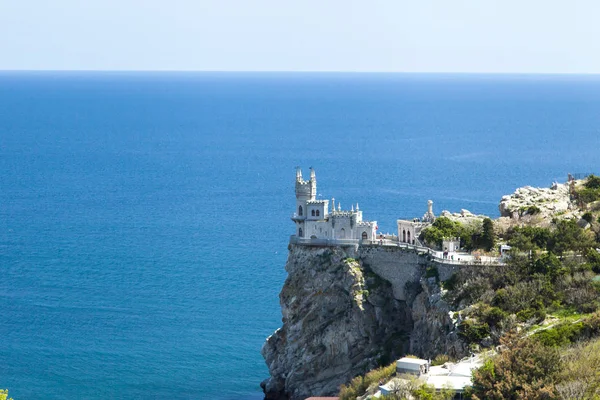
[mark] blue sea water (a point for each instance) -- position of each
(144, 217)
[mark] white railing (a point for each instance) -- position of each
(435, 256)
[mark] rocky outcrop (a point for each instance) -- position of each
(543, 202)
(346, 310)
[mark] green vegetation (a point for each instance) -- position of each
(432, 272)
(590, 191)
(529, 210)
(472, 236)
(359, 385)
(4, 394)
(524, 369)
(488, 238)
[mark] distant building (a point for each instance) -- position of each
(456, 376)
(415, 366)
(315, 220)
(410, 230)
(451, 244)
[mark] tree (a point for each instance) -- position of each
(488, 238)
(524, 369)
(568, 236)
(4, 394)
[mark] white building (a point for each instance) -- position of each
(409, 230)
(314, 219)
(451, 244)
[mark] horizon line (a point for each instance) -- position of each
(303, 72)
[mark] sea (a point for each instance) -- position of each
(145, 216)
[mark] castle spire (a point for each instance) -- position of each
(298, 173)
(312, 174)
(357, 207)
(352, 207)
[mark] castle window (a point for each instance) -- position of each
(318, 213)
(404, 236)
(364, 235)
(343, 234)
(300, 232)
(313, 213)
(300, 212)
(408, 235)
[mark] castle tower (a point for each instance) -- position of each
(305, 191)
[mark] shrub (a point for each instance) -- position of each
(440, 359)
(524, 369)
(359, 385)
(432, 272)
(560, 335)
(525, 315)
(473, 331)
(494, 315)
(592, 182)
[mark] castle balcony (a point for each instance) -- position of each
(298, 218)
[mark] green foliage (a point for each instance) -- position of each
(592, 182)
(488, 238)
(579, 378)
(524, 369)
(560, 335)
(441, 228)
(593, 259)
(451, 283)
(529, 238)
(588, 195)
(568, 236)
(432, 272)
(588, 217)
(359, 385)
(530, 210)
(473, 331)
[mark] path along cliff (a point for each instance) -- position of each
(348, 309)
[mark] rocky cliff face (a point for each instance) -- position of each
(346, 310)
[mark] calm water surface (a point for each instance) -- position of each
(144, 217)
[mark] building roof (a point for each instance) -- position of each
(410, 360)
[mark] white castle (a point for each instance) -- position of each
(314, 220)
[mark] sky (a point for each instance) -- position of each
(479, 36)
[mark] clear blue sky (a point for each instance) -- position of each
(546, 36)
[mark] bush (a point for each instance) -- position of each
(432, 272)
(359, 385)
(440, 359)
(524, 369)
(473, 331)
(452, 282)
(560, 335)
(525, 315)
(592, 182)
(494, 315)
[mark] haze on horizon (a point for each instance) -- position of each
(510, 36)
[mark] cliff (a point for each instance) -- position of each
(347, 309)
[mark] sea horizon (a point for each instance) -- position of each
(145, 216)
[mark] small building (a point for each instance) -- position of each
(504, 249)
(409, 230)
(451, 244)
(414, 366)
